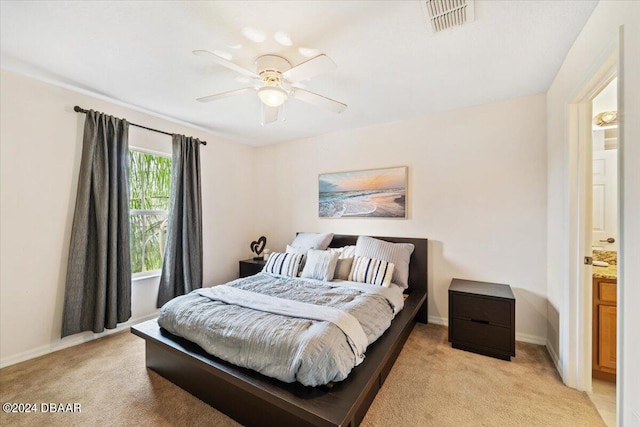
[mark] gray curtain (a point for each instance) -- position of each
(182, 266)
(98, 287)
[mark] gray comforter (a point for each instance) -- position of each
(312, 352)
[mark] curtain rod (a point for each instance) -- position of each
(78, 109)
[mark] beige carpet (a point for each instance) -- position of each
(431, 384)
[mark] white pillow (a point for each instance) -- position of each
(296, 250)
(345, 251)
(320, 265)
(373, 271)
(397, 253)
(312, 241)
(283, 264)
(348, 251)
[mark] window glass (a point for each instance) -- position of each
(150, 182)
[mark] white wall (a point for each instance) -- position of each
(41, 143)
(595, 43)
(477, 189)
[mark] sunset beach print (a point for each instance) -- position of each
(377, 193)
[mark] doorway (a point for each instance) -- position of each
(604, 245)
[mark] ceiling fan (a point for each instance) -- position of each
(275, 80)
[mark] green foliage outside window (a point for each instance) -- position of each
(150, 186)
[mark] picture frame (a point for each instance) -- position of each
(369, 193)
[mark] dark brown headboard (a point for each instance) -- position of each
(417, 264)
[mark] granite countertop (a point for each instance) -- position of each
(610, 272)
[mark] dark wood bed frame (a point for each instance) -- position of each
(253, 399)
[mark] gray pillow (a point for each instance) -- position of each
(320, 265)
(396, 253)
(343, 268)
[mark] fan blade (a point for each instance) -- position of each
(225, 94)
(313, 67)
(230, 65)
(318, 100)
(269, 114)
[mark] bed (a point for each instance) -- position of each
(232, 389)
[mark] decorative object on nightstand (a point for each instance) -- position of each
(251, 266)
(257, 246)
(482, 318)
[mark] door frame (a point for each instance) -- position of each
(577, 344)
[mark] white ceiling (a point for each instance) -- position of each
(390, 65)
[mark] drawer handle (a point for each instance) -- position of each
(486, 322)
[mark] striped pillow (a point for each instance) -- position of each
(373, 271)
(283, 264)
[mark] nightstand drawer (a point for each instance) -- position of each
(496, 338)
(496, 312)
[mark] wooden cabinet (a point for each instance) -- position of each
(604, 328)
(249, 267)
(482, 318)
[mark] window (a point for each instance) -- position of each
(150, 186)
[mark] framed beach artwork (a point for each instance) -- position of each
(372, 193)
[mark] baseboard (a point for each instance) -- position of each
(531, 339)
(71, 341)
(438, 320)
(554, 357)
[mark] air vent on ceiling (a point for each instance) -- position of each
(444, 14)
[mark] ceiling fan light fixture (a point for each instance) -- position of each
(278, 81)
(272, 96)
(606, 118)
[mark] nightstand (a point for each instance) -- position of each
(249, 267)
(482, 318)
